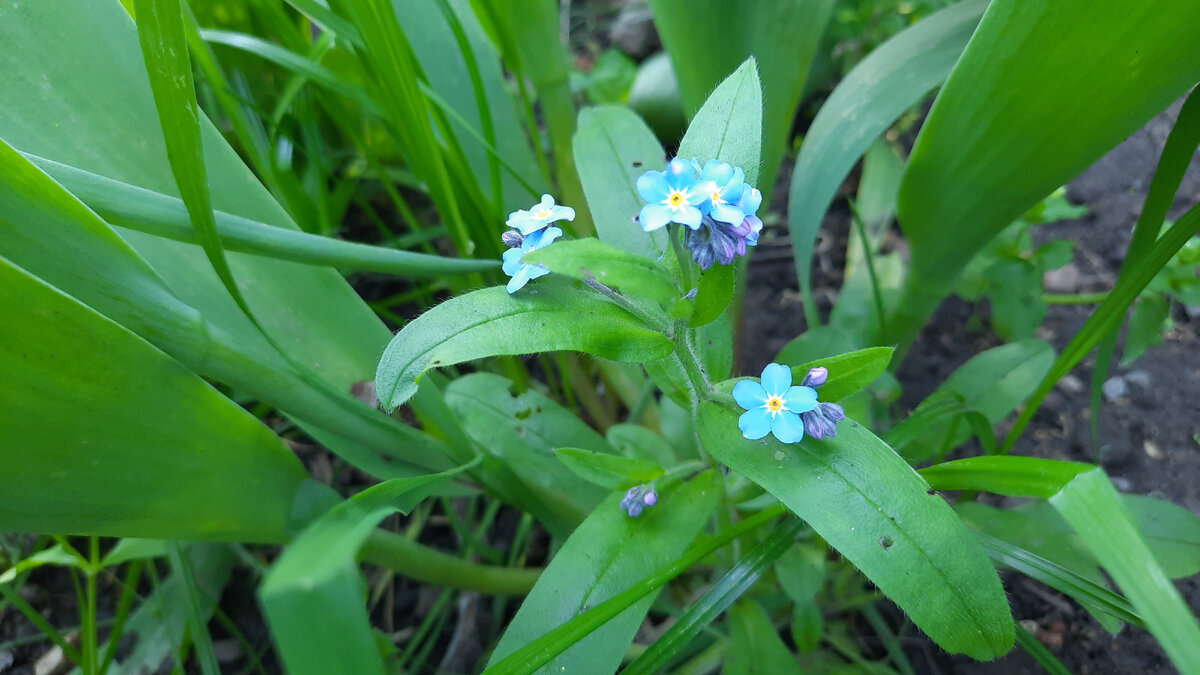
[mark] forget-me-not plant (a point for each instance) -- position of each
(539, 216)
(522, 272)
(773, 405)
(673, 196)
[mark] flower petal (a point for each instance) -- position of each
(654, 216)
(788, 427)
(755, 423)
(800, 399)
(652, 186)
(687, 215)
(727, 214)
(561, 213)
(521, 220)
(512, 261)
(542, 238)
(749, 394)
(776, 379)
(546, 204)
(520, 278)
(679, 174)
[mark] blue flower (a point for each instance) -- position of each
(637, 499)
(751, 225)
(539, 216)
(773, 406)
(723, 185)
(672, 196)
(522, 272)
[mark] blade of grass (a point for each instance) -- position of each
(197, 625)
(1038, 651)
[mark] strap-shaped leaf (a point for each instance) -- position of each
(549, 316)
(848, 372)
(1021, 114)
(1010, 476)
(607, 554)
(150, 449)
(872, 507)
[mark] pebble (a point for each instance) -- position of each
(1115, 388)
(1065, 279)
(1139, 377)
(633, 31)
(1152, 450)
(1072, 384)
(1122, 484)
(6, 661)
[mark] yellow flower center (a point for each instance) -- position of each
(774, 404)
(541, 214)
(716, 197)
(675, 198)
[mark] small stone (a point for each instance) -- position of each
(633, 30)
(1193, 311)
(1062, 280)
(1139, 377)
(51, 663)
(1122, 484)
(1152, 450)
(1072, 384)
(1115, 388)
(6, 661)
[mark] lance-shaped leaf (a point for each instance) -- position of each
(728, 126)
(876, 511)
(594, 260)
(549, 316)
(607, 554)
(1022, 114)
(148, 450)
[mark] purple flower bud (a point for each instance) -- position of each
(512, 238)
(815, 377)
(637, 499)
(650, 498)
(822, 420)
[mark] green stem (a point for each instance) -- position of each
(626, 304)
(415, 561)
(869, 258)
(88, 621)
(1074, 298)
(686, 277)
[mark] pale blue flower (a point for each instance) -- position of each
(751, 225)
(522, 272)
(539, 216)
(722, 184)
(672, 196)
(773, 405)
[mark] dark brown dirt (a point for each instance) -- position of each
(1147, 437)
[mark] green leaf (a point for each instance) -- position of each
(611, 77)
(1094, 509)
(1151, 317)
(888, 523)
(609, 471)
(849, 372)
(165, 216)
(521, 433)
(783, 37)
(655, 97)
(890, 80)
(1171, 531)
(639, 442)
(1005, 132)
(551, 316)
(607, 554)
(728, 126)
(707, 609)
(755, 645)
(130, 466)
(612, 148)
(815, 344)
(593, 260)
(713, 294)
(1002, 475)
(317, 576)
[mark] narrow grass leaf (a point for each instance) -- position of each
(1092, 506)
(755, 645)
(888, 523)
(1008, 476)
(607, 554)
(491, 322)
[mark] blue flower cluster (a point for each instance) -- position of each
(774, 406)
(531, 230)
(637, 499)
(713, 201)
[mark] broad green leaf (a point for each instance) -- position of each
(713, 294)
(655, 97)
(890, 80)
(521, 432)
(609, 471)
(1008, 476)
(165, 216)
(550, 315)
(593, 260)
(755, 645)
(783, 38)
(1171, 531)
(1092, 506)
(849, 372)
(1004, 132)
(728, 126)
(158, 452)
(641, 443)
(707, 609)
(317, 576)
(888, 523)
(612, 148)
(714, 341)
(607, 554)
